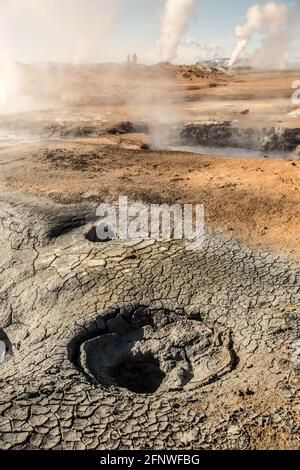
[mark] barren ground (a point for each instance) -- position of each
(143, 344)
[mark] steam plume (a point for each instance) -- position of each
(176, 19)
(42, 31)
(271, 19)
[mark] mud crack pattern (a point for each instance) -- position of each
(84, 324)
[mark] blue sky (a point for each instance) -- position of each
(105, 30)
(138, 25)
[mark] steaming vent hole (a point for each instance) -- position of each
(100, 234)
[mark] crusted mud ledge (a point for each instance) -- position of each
(228, 134)
(209, 133)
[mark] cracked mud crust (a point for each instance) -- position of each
(218, 332)
(256, 201)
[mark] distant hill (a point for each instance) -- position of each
(244, 62)
(215, 62)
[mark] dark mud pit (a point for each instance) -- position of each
(225, 139)
(142, 345)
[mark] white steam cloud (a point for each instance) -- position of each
(271, 19)
(176, 19)
(43, 31)
(203, 49)
(54, 30)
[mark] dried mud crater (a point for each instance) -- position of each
(142, 344)
(148, 351)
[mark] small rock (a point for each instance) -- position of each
(286, 393)
(246, 393)
(145, 147)
(233, 430)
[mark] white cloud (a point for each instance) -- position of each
(62, 30)
(203, 49)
